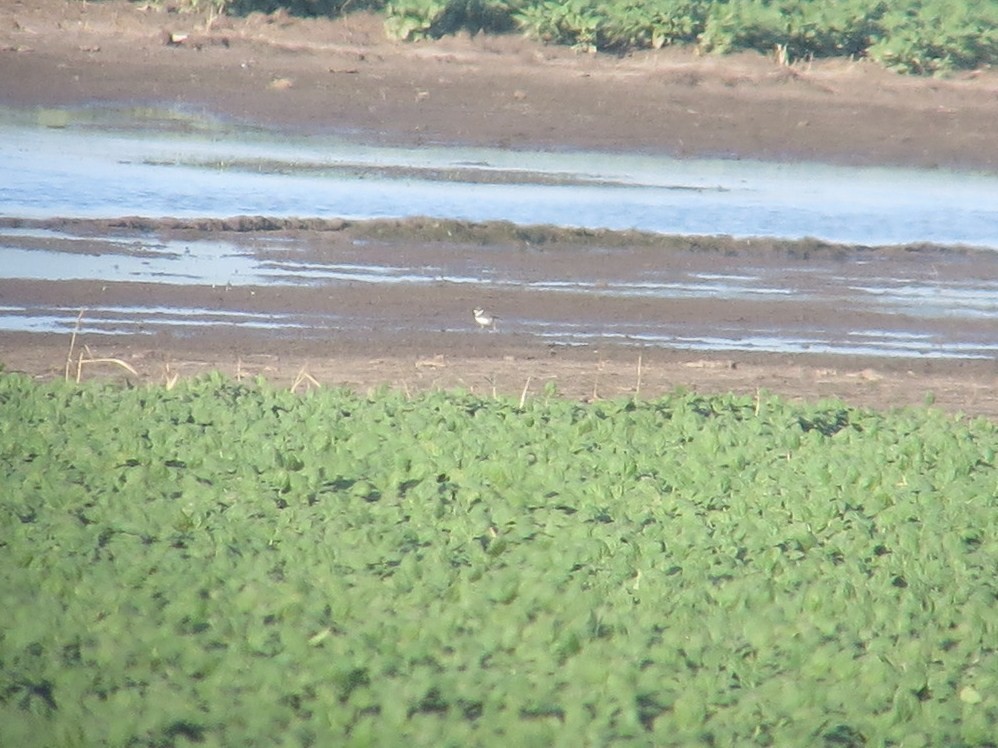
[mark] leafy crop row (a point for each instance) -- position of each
(914, 36)
(226, 564)
(920, 36)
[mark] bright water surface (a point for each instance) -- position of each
(98, 170)
(26, 254)
(99, 164)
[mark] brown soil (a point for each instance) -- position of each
(344, 76)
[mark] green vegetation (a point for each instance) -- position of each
(918, 36)
(295, 7)
(913, 36)
(231, 564)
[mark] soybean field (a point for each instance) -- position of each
(225, 563)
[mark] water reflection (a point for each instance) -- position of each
(41, 255)
(99, 163)
(93, 170)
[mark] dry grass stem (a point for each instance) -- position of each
(599, 368)
(305, 378)
(170, 378)
(86, 357)
(91, 359)
(72, 343)
(523, 395)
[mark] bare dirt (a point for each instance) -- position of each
(344, 76)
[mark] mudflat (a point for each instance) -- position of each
(344, 76)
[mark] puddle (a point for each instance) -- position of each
(921, 307)
(150, 163)
(201, 265)
(873, 343)
(146, 320)
(48, 255)
(139, 320)
(28, 254)
(962, 299)
(116, 167)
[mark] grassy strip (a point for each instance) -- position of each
(230, 564)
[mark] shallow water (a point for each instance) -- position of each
(158, 164)
(921, 307)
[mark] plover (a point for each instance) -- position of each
(484, 319)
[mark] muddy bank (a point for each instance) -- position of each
(599, 314)
(485, 233)
(345, 76)
(967, 388)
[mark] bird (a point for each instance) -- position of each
(485, 319)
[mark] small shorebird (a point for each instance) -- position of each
(484, 319)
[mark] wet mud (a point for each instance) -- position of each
(343, 77)
(579, 308)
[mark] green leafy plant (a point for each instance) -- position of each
(914, 36)
(922, 36)
(295, 7)
(936, 36)
(232, 564)
(576, 22)
(413, 19)
(419, 19)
